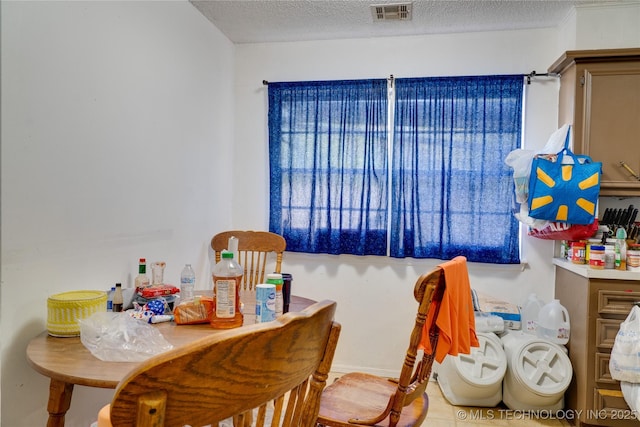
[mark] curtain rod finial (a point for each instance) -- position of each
(264, 82)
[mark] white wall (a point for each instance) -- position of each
(116, 130)
(120, 121)
(374, 294)
(608, 26)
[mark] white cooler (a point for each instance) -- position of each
(538, 373)
(474, 379)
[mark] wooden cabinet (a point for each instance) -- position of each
(600, 97)
(596, 308)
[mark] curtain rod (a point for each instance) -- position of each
(533, 74)
(530, 76)
(266, 82)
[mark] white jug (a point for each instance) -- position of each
(530, 312)
(553, 323)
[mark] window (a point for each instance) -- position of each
(441, 190)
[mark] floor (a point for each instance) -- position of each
(444, 414)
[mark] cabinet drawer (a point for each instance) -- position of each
(616, 302)
(606, 331)
(612, 401)
(602, 369)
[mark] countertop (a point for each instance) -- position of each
(592, 273)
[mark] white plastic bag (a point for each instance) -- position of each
(118, 337)
(520, 161)
(624, 364)
(631, 394)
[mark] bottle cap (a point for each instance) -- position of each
(142, 260)
(621, 233)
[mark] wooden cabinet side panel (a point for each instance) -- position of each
(573, 292)
(566, 106)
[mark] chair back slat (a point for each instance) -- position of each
(231, 373)
(254, 251)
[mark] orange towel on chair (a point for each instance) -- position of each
(456, 319)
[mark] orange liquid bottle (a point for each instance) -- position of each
(227, 278)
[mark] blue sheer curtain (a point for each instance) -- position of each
(328, 166)
(451, 190)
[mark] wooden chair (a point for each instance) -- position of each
(363, 399)
(254, 247)
(233, 372)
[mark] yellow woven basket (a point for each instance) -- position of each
(65, 309)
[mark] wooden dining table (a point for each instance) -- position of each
(67, 362)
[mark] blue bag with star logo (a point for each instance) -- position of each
(564, 187)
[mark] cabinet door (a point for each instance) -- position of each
(611, 123)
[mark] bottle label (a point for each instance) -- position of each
(225, 298)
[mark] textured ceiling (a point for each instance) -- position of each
(255, 21)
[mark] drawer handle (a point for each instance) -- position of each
(631, 171)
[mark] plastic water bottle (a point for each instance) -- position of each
(530, 313)
(553, 323)
(187, 283)
(110, 298)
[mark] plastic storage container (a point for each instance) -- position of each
(596, 257)
(474, 379)
(633, 257)
(530, 312)
(578, 252)
(553, 323)
(538, 373)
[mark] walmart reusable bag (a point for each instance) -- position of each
(564, 187)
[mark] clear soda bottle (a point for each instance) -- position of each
(187, 283)
(227, 278)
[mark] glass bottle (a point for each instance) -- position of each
(142, 281)
(187, 283)
(117, 298)
(227, 277)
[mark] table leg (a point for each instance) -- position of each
(59, 402)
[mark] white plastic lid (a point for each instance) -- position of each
(543, 367)
(486, 365)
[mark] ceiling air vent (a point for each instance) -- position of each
(391, 12)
